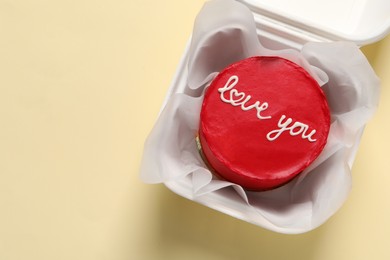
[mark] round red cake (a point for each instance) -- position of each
(263, 121)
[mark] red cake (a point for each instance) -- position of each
(263, 121)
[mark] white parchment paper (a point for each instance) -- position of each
(224, 33)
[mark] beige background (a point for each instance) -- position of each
(81, 84)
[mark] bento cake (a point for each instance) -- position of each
(263, 120)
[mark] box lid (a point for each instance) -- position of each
(359, 21)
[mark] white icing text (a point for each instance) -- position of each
(236, 98)
(294, 129)
(231, 96)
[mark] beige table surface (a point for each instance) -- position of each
(81, 85)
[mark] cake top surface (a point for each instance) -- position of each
(263, 120)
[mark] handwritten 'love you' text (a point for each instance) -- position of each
(230, 95)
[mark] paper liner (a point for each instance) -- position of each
(224, 33)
